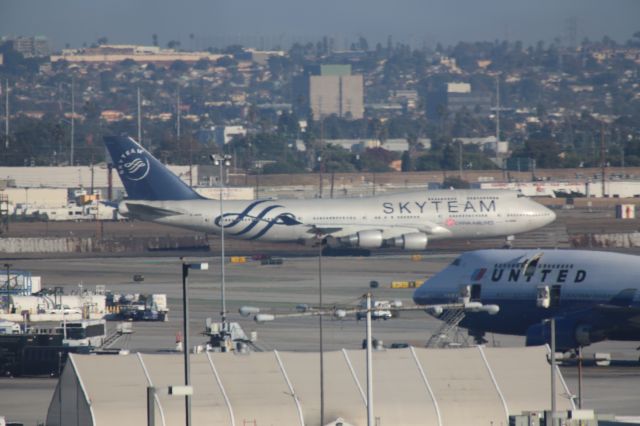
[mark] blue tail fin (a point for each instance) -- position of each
(143, 176)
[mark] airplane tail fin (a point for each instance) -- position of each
(143, 176)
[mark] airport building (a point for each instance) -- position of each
(329, 90)
(412, 386)
(142, 54)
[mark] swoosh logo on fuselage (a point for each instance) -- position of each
(285, 218)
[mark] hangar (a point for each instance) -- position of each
(412, 386)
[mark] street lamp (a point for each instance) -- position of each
(203, 266)
(222, 161)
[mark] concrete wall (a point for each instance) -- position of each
(91, 245)
(616, 240)
(41, 197)
(73, 177)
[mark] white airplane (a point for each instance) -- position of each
(407, 220)
(593, 295)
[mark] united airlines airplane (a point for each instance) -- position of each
(407, 220)
(593, 295)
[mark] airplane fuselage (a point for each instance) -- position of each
(407, 221)
(598, 289)
(440, 214)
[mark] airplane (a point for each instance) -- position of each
(408, 220)
(592, 295)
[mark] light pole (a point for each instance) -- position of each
(73, 120)
(7, 267)
(370, 419)
(320, 182)
(320, 307)
(4, 300)
(552, 326)
(222, 161)
(185, 329)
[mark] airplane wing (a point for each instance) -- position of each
(144, 211)
(388, 231)
(407, 236)
(613, 320)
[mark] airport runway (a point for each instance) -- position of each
(345, 280)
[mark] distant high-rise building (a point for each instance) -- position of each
(454, 97)
(31, 47)
(327, 90)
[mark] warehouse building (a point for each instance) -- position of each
(412, 386)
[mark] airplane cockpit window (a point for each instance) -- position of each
(532, 264)
(456, 262)
(521, 195)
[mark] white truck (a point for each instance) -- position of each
(381, 310)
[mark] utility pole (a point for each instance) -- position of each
(6, 115)
(603, 159)
(73, 118)
(139, 119)
(498, 108)
(333, 177)
(460, 157)
(178, 113)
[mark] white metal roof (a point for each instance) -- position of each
(412, 386)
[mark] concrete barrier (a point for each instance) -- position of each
(617, 240)
(92, 245)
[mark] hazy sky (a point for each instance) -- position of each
(414, 21)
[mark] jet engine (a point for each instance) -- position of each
(364, 239)
(122, 208)
(413, 241)
(570, 334)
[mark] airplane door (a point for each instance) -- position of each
(555, 295)
(543, 297)
(476, 290)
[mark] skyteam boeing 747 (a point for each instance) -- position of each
(407, 220)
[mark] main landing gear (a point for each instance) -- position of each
(478, 337)
(508, 242)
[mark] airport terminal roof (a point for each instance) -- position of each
(412, 386)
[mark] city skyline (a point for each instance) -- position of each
(200, 24)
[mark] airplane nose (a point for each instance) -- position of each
(420, 295)
(550, 214)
